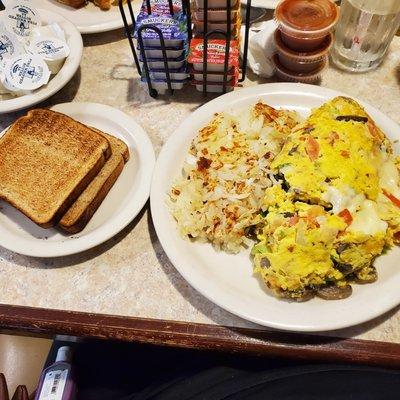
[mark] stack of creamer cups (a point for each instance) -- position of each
(30, 52)
(303, 38)
(174, 31)
(216, 46)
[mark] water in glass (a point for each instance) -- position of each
(364, 32)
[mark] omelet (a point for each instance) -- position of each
(334, 207)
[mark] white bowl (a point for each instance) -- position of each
(57, 82)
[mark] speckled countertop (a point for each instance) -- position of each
(130, 274)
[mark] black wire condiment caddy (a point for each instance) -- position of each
(145, 71)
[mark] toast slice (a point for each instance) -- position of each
(47, 160)
(80, 213)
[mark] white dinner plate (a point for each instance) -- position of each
(124, 201)
(90, 19)
(57, 82)
(227, 280)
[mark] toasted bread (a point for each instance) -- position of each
(73, 3)
(80, 213)
(47, 160)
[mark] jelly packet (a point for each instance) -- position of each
(161, 7)
(215, 54)
(172, 27)
(157, 63)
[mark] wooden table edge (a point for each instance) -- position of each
(200, 336)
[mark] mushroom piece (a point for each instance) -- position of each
(333, 292)
(265, 263)
(250, 232)
(308, 294)
(356, 118)
(305, 295)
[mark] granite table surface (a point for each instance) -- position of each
(130, 275)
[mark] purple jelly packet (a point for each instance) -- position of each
(156, 63)
(172, 27)
(161, 7)
(161, 85)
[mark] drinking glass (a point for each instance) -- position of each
(364, 33)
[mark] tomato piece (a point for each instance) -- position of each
(345, 154)
(346, 215)
(373, 130)
(392, 198)
(312, 148)
(333, 137)
(293, 220)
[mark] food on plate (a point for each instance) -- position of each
(73, 3)
(219, 194)
(321, 197)
(56, 170)
(79, 214)
(29, 52)
(47, 161)
(334, 207)
(103, 4)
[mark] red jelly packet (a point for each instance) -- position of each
(215, 52)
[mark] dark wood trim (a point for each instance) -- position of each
(200, 336)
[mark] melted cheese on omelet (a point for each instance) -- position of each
(367, 220)
(348, 154)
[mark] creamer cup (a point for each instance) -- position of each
(52, 50)
(3, 89)
(9, 45)
(51, 30)
(10, 89)
(26, 72)
(6, 87)
(20, 19)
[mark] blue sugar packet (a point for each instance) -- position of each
(172, 27)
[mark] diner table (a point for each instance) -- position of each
(126, 288)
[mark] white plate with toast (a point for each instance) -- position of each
(119, 207)
(57, 82)
(90, 18)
